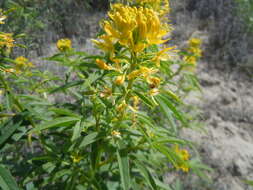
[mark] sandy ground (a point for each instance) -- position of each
(227, 145)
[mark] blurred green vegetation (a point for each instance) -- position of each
(245, 10)
(34, 17)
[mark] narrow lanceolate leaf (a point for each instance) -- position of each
(7, 182)
(8, 129)
(168, 108)
(124, 169)
(63, 112)
(162, 185)
(58, 122)
(145, 99)
(77, 131)
(66, 86)
(147, 175)
(89, 139)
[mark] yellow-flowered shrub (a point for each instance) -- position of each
(108, 121)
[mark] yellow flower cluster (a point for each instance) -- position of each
(184, 155)
(160, 6)
(64, 44)
(146, 73)
(22, 63)
(116, 134)
(134, 28)
(194, 51)
(6, 41)
(102, 65)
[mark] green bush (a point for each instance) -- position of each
(110, 121)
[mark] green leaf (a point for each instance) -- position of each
(7, 182)
(162, 185)
(89, 139)
(57, 57)
(124, 169)
(63, 112)
(66, 86)
(77, 131)
(249, 182)
(7, 129)
(168, 108)
(61, 173)
(145, 99)
(147, 175)
(145, 119)
(58, 122)
(172, 95)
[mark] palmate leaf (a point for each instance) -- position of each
(58, 122)
(7, 182)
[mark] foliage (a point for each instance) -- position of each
(245, 8)
(34, 17)
(113, 120)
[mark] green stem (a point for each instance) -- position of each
(7, 115)
(130, 83)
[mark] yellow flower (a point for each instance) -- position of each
(194, 47)
(76, 158)
(2, 17)
(154, 92)
(190, 60)
(183, 167)
(102, 65)
(64, 44)
(195, 42)
(164, 55)
(153, 81)
(161, 6)
(9, 70)
(119, 80)
(183, 153)
(194, 53)
(116, 134)
(6, 40)
(22, 61)
(105, 43)
(146, 72)
(107, 92)
(121, 108)
(134, 28)
(133, 74)
(136, 101)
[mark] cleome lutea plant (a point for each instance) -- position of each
(111, 121)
